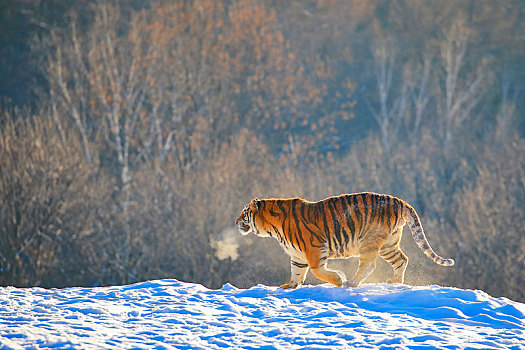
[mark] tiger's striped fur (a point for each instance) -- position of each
(361, 224)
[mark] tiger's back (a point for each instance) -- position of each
(361, 224)
(347, 219)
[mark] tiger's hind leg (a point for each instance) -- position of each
(298, 274)
(368, 250)
(391, 253)
(367, 264)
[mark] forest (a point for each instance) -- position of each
(132, 134)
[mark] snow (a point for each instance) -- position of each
(172, 314)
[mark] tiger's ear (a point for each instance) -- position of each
(256, 204)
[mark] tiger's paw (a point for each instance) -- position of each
(351, 283)
(289, 285)
(394, 280)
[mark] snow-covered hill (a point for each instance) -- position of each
(173, 314)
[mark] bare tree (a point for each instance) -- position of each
(458, 95)
(390, 114)
(62, 69)
(100, 79)
(41, 176)
(490, 218)
(507, 108)
(420, 93)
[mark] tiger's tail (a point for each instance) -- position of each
(411, 217)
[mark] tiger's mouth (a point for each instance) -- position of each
(243, 228)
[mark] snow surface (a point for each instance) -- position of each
(172, 314)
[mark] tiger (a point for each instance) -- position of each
(363, 224)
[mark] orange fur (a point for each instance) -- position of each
(361, 224)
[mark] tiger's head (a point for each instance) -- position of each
(246, 221)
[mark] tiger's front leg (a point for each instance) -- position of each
(317, 259)
(298, 274)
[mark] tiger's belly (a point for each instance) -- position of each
(295, 254)
(330, 252)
